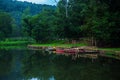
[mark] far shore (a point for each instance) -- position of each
(106, 52)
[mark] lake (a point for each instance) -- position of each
(43, 65)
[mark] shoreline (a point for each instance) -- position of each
(109, 52)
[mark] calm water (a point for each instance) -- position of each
(40, 65)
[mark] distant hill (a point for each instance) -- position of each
(16, 8)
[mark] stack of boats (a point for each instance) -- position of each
(79, 50)
(73, 50)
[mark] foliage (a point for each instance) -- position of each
(69, 26)
(15, 8)
(96, 19)
(100, 24)
(5, 25)
(41, 26)
(91, 18)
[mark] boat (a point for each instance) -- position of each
(59, 50)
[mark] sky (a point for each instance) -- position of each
(49, 2)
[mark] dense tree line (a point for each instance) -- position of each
(16, 8)
(41, 27)
(98, 20)
(5, 25)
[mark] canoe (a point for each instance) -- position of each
(60, 51)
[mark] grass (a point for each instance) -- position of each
(17, 41)
(110, 49)
(112, 55)
(111, 52)
(73, 45)
(13, 47)
(13, 43)
(60, 45)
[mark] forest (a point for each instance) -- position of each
(16, 9)
(97, 20)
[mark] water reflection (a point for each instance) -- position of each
(10, 62)
(5, 62)
(40, 65)
(52, 78)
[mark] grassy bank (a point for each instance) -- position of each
(73, 45)
(109, 52)
(110, 49)
(13, 47)
(59, 45)
(14, 43)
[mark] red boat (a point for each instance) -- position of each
(60, 50)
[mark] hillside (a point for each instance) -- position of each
(16, 9)
(11, 6)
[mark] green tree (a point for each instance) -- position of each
(5, 25)
(26, 25)
(69, 26)
(101, 23)
(96, 20)
(41, 26)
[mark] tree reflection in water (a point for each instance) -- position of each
(41, 65)
(5, 62)
(37, 66)
(44, 66)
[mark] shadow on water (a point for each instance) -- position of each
(40, 65)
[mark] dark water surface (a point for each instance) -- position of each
(40, 65)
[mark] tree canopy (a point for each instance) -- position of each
(41, 26)
(98, 20)
(5, 25)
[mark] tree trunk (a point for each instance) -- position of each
(66, 8)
